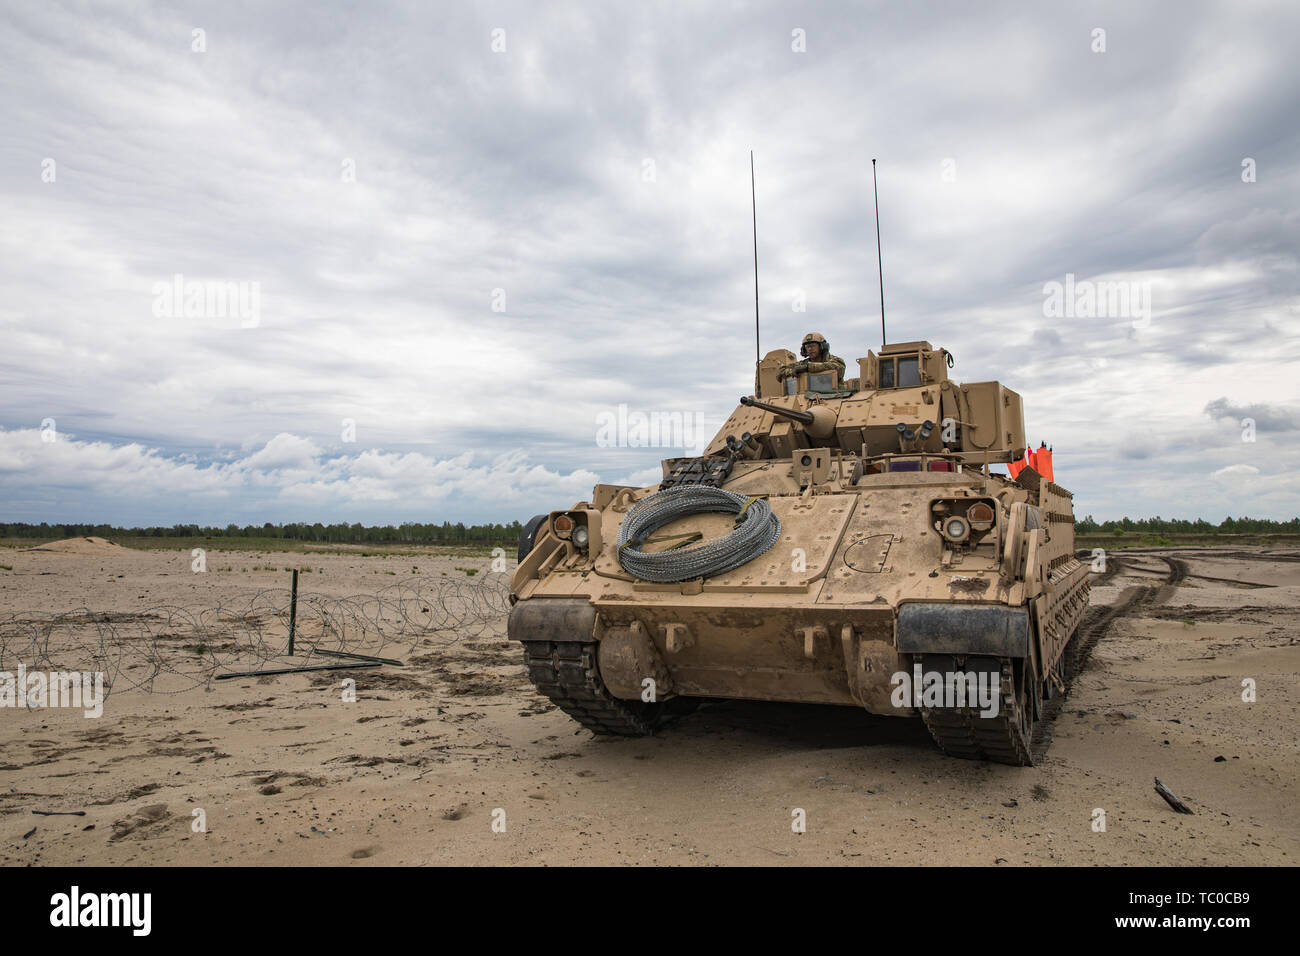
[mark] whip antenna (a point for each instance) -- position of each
(753, 199)
(880, 264)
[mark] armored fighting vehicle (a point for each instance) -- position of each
(838, 542)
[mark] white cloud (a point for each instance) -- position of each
(288, 476)
(1236, 471)
(284, 451)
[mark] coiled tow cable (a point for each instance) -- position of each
(757, 529)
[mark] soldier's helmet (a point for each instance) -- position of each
(815, 337)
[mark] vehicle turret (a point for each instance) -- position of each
(903, 401)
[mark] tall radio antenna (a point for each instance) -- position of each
(880, 263)
(754, 209)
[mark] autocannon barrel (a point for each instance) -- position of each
(805, 418)
(818, 422)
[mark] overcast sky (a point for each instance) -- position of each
(474, 229)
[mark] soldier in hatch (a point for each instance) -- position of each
(817, 358)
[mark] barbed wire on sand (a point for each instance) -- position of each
(169, 648)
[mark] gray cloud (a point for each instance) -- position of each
(1266, 417)
(525, 171)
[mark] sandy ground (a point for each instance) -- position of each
(419, 767)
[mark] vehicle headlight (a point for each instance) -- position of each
(956, 529)
(580, 537)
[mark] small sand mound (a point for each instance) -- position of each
(79, 546)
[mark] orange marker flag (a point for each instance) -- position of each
(1044, 462)
(1016, 467)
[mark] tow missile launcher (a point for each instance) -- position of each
(908, 578)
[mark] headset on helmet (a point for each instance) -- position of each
(815, 337)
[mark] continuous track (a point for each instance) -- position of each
(566, 672)
(1007, 737)
(965, 732)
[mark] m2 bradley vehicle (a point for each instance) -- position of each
(838, 542)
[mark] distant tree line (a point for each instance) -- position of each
(1158, 525)
(491, 534)
(407, 533)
